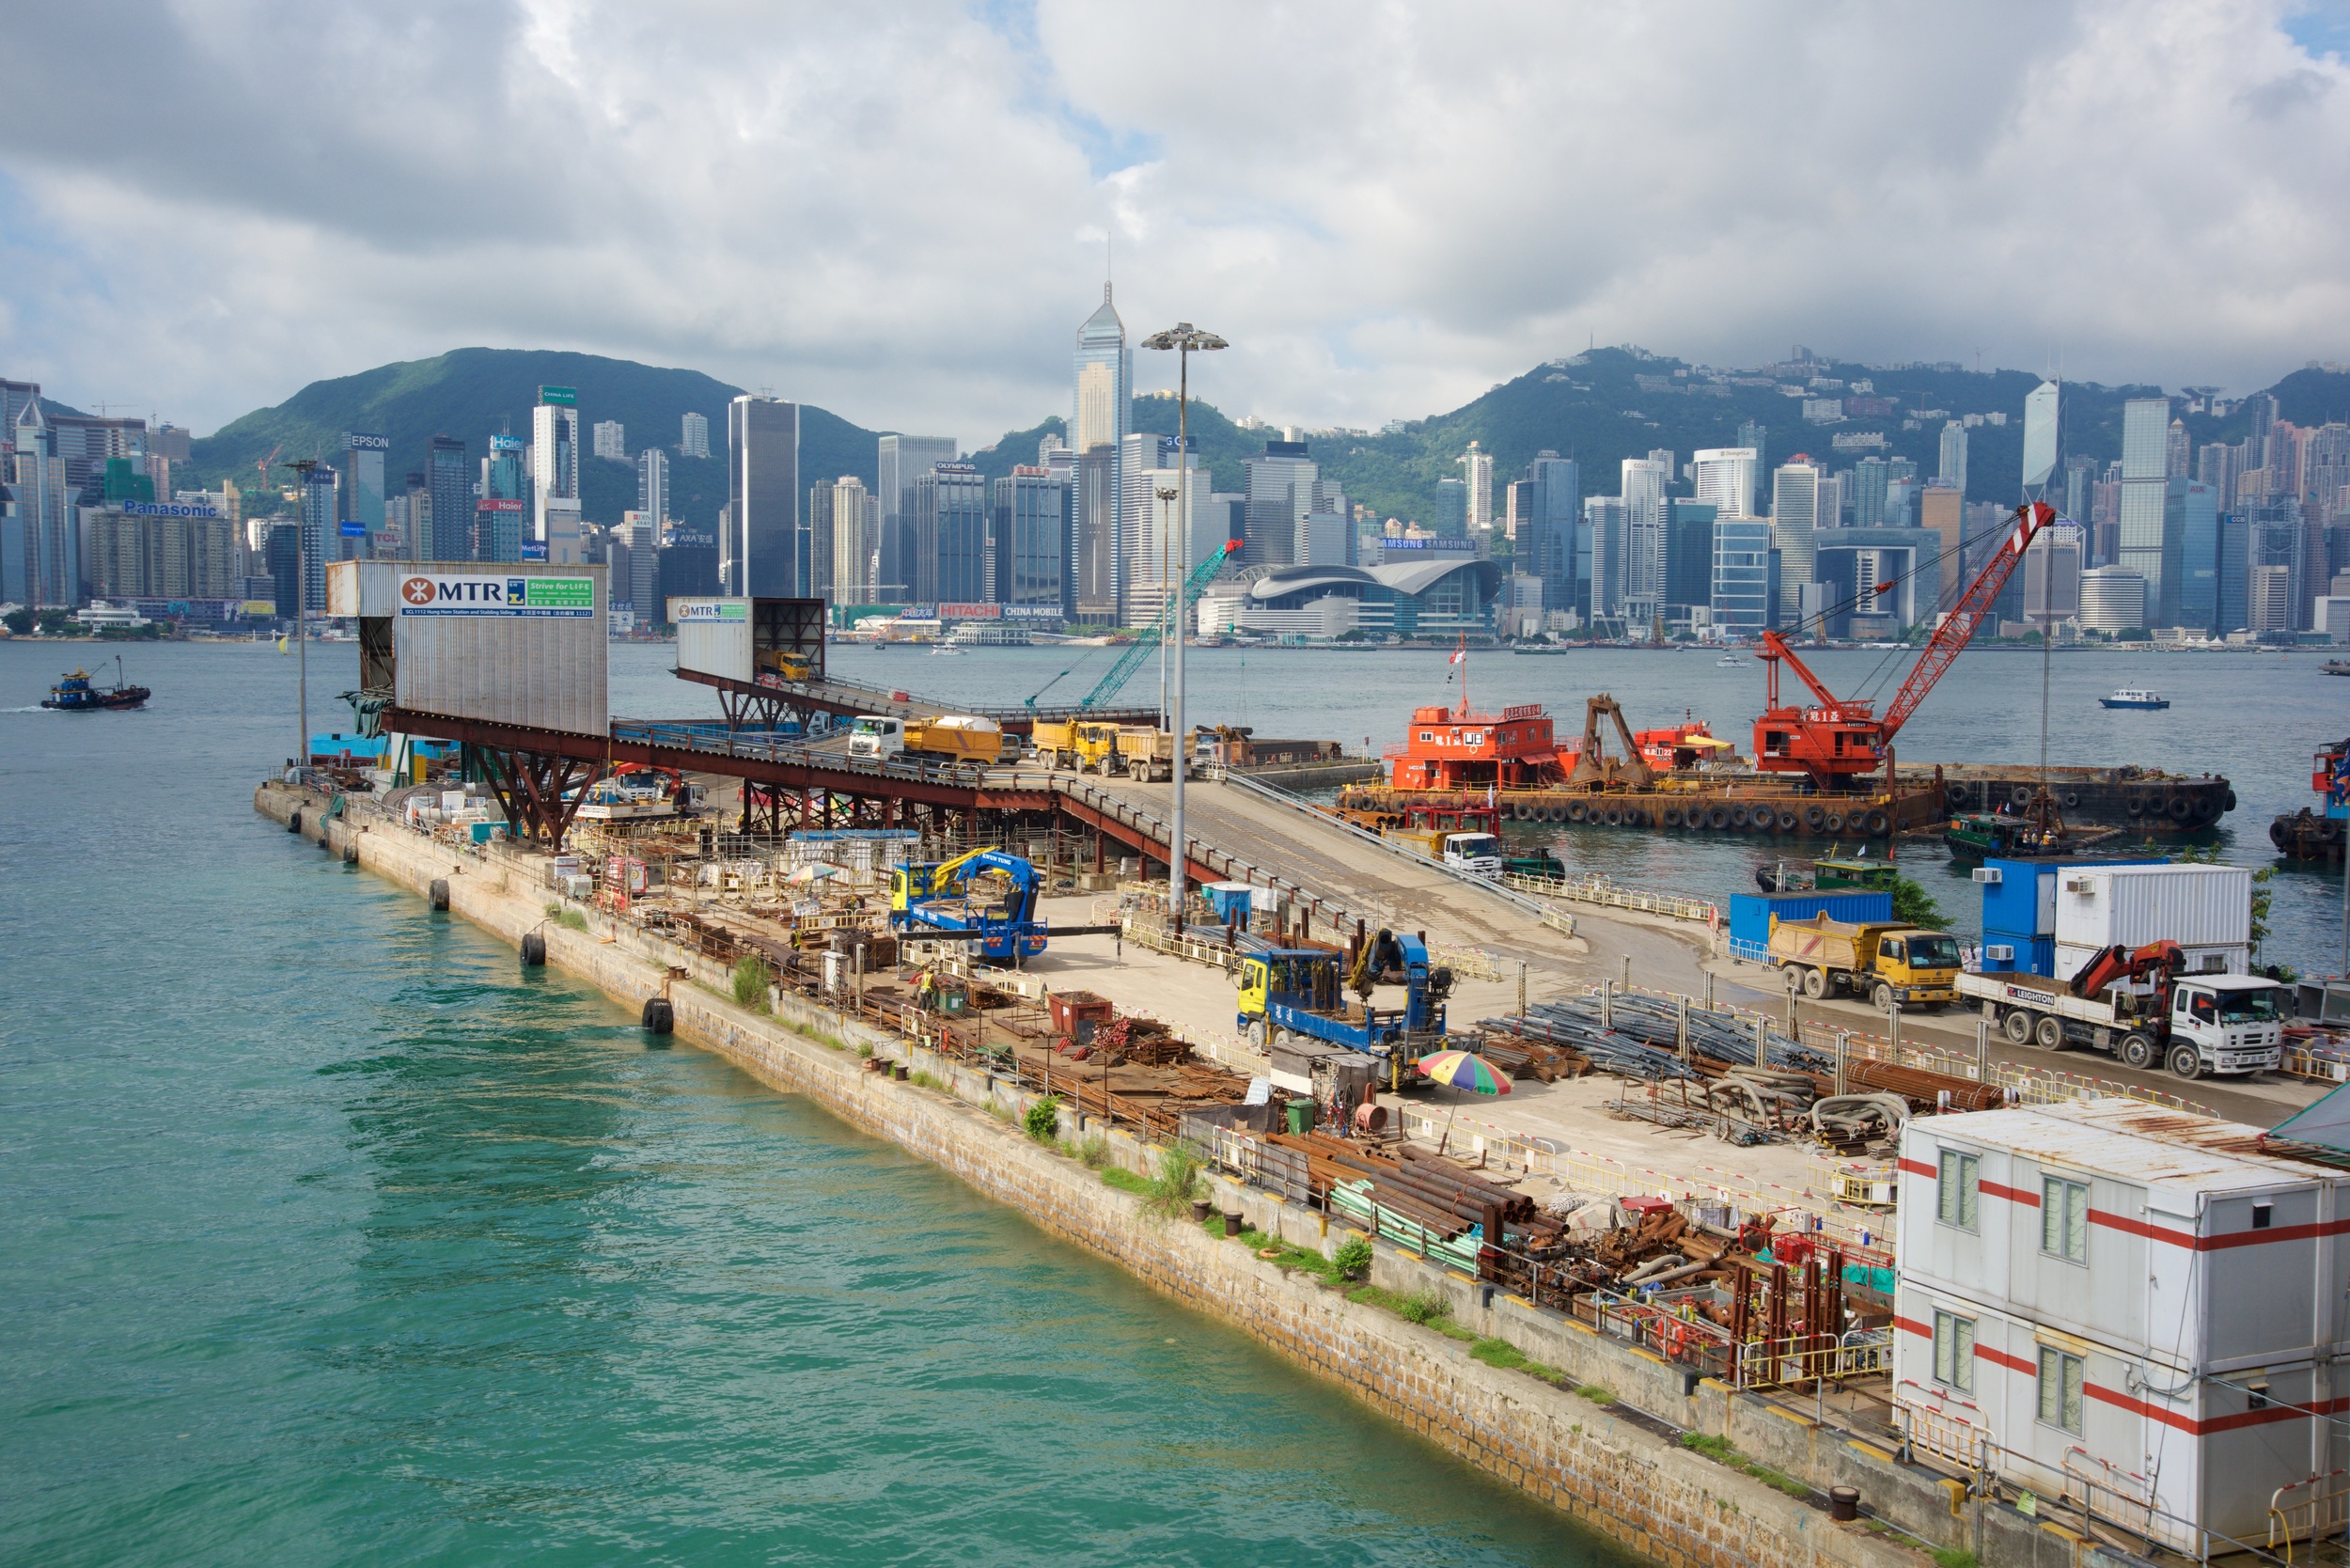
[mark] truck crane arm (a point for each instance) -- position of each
(1966, 618)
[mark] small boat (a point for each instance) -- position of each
(2338, 667)
(945, 650)
(1729, 661)
(2131, 696)
(77, 694)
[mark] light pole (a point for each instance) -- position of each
(1183, 337)
(303, 468)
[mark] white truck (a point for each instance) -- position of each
(1478, 853)
(878, 738)
(2192, 1023)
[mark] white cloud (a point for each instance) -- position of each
(895, 213)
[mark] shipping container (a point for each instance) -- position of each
(508, 642)
(2121, 1293)
(713, 636)
(2196, 906)
(1750, 914)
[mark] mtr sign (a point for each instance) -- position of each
(474, 594)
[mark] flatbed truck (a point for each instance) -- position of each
(2221, 1025)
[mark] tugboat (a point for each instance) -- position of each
(1832, 875)
(2318, 834)
(77, 694)
(2130, 697)
(2035, 833)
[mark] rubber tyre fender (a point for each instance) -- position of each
(2185, 1063)
(437, 894)
(2180, 807)
(2017, 1026)
(1814, 818)
(1835, 823)
(2208, 808)
(1878, 823)
(2137, 1051)
(2231, 805)
(1522, 812)
(534, 950)
(2048, 1034)
(1789, 822)
(2072, 800)
(1673, 817)
(2134, 803)
(1717, 817)
(351, 854)
(1815, 983)
(1612, 816)
(1739, 818)
(1577, 811)
(293, 824)
(1637, 816)
(2020, 795)
(659, 1017)
(1955, 796)
(2276, 834)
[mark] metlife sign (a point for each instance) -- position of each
(474, 594)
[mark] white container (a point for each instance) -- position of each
(2196, 906)
(713, 636)
(452, 800)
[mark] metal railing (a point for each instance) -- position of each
(2308, 1512)
(1602, 890)
(2033, 1085)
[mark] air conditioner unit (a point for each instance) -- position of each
(1990, 876)
(2000, 953)
(2080, 885)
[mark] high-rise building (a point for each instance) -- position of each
(1155, 544)
(2233, 548)
(1794, 519)
(1478, 476)
(950, 508)
(1029, 537)
(555, 531)
(49, 563)
(14, 395)
(2221, 465)
(278, 553)
(823, 540)
(1093, 595)
(847, 506)
(503, 510)
(1452, 508)
(2080, 484)
(1745, 590)
(639, 576)
(903, 459)
(2043, 437)
(2191, 518)
(611, 440)
(1724, 478)
(1645, 481)
(2269, 596)
(449, 485)
(1755, 438)
(1604, 517)
(1952, 462)
(1280, 487)
(362, 462)
(1100, 410)
(2273, 528)
(695, 441)
(653, 484)
(2175, 450)
(2113, 599)
(2145, 479)
(319, 511)
(1868, 493)
(1689, 557)
(1517, 508)
(763, 552)
(1942, 511)
(2052, 575)
(1553, 544)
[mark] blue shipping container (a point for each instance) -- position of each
(2019, 895)
(1750, 914)
(2032, 955)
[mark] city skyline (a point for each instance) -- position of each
(1346, 302)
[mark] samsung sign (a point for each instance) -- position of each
(472, 593)
(167, 508)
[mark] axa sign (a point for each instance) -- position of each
(474, 593)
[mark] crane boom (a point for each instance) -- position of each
(1966, 617)
(1141, 648)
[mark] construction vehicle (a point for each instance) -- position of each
(1888, 962)
(1593, 768)
(961, 738)
(1000, 911)
(1837, 740)
(1146, 753)
(1478, 853)
(1088, 745)
(1301, 992)
(877, 737)
(2139, 1004)
(784, 664)
(1148, 641)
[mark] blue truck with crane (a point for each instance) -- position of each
(1288, 993)
(998, 918)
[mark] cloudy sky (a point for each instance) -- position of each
(900, 211)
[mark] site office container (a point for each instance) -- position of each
(2196, 906)
(2019, 900)
(2177, 1294)
(505, 642)
(1750, 916)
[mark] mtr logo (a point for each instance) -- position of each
(475, 590)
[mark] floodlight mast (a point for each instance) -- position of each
(1185, 339)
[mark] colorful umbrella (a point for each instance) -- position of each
(813, 872)
(1460, 1070)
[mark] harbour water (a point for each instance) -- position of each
(331, 1236)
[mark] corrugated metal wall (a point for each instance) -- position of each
(504, 664)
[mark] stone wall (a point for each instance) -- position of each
(1609, 1471)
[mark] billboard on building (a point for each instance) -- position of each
(513, 643)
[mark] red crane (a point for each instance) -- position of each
(1840, 738)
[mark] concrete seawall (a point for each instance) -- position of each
(1606, 1468)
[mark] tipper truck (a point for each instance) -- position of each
(1889, 963)
(1478, 853)
(2135, 1004)
(1088, 745)
(1146, 753)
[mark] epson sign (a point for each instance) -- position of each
(356, 441)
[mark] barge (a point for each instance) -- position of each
(2317, 833)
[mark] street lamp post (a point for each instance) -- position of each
(1183, 337)
(303, 468)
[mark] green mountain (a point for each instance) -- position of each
(475, 393)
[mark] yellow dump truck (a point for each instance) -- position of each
(1146, 753)
(1085, 745)
(959, 738)
(1886, 963)
(790, 667)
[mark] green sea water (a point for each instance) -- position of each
(328, 1235)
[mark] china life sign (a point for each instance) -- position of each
(480, 595)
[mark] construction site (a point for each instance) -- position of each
(1512, 1084)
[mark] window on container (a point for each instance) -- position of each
(2064, 1219)
(1954, 1352)
(2060, 1390)
(1955, 1188)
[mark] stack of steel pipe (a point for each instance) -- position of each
(1605, 1049)
(1921, 1089)
(1654, 1023)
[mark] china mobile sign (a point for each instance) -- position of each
(479, 594)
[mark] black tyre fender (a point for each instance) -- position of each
(1789, 822)
(1878, 824)
(659, 1017)
(1835, 823)
(534, 950)
(2230, 801)
(1955, 796)
(1717, 817)
(1815, 817)
(437, 894)
(2180, 807)
(1673, 817)
(293, 824)
(1739, 818)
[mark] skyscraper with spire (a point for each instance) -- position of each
(1101, 406)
